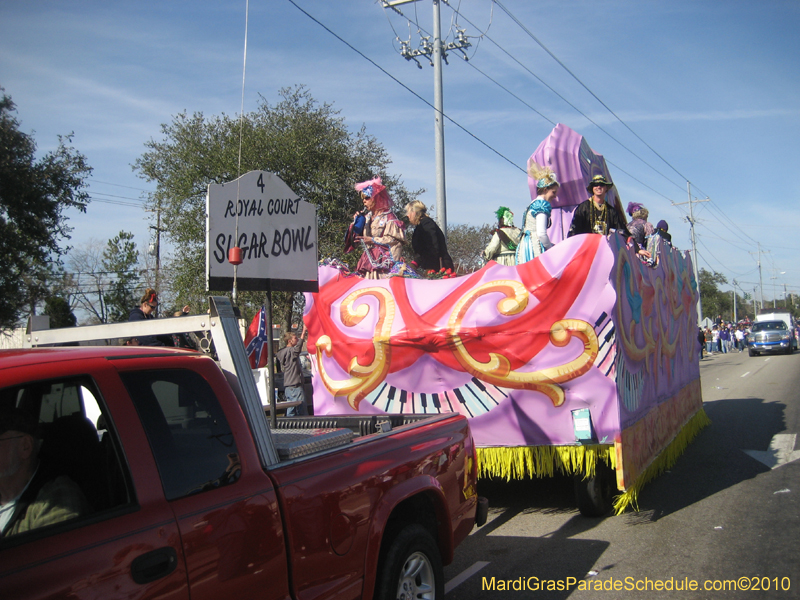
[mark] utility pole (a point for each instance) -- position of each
(691, 222)
(435, 53)
(774, 292)
(157, 251)
(760, 278)
(744, 298)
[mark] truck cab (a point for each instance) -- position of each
(191, 492)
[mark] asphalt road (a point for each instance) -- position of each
(720, 518)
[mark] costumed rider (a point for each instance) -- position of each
(596, 215)
(537, 216)
(661, 238)
(383, 235)
(502, 247)
(639, 228)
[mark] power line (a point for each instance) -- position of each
(716, 209)
(718, 260)
(120, 185)
(115, 202)
(722, 214)
(555, 58)
(575, 108)
(420, 28)
(140, 200)
(404, 86)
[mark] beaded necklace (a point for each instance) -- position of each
(598, 217)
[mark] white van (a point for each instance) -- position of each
(780, 316)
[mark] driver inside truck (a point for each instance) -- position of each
(31, 495)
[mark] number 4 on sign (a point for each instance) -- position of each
(260, 182)
(781, 451)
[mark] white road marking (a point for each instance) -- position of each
(781, 451)
(746, 374)
(463, 576)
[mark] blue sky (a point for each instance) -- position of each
(711, 87)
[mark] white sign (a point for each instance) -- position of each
(277, 232)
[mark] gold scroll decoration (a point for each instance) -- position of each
(497, 370)
(363, 378)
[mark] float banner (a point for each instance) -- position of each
(515, 349)
(584, 329)
(277, 232)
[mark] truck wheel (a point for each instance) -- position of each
(411, 568)
(595, 495)
(751, 352)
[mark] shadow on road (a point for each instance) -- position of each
(523, 562)
(715, 460)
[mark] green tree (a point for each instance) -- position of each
(33, 197)
(307, 144)
(714, 301)
(120, 261)
(60, 313)
(103, 278)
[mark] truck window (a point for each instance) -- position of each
(187, 430)
(71, 445)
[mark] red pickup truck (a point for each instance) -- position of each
(194, 495)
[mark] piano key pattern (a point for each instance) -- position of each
(629, 385)
(607, 352)
(478, 397)
(471, 400)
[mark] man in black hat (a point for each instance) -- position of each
(595, 215)
(31, 496)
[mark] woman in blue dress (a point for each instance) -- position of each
(537, 216)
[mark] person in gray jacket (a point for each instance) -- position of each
(289, 360)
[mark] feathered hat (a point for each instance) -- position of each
(598, 180)
(374, 188)
(633, 207)
(544, 176)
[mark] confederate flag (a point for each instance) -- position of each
(256, 340)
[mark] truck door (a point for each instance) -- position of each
(125, 542)
(225, 505)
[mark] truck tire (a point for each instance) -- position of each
(411, 567)
(595, 495)
(751, 352)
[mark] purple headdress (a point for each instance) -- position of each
(633, 207)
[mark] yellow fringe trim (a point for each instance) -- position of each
(518, 462)
(665, 460)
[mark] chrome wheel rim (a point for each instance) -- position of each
(416, 579)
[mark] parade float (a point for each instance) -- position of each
(583, 361)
